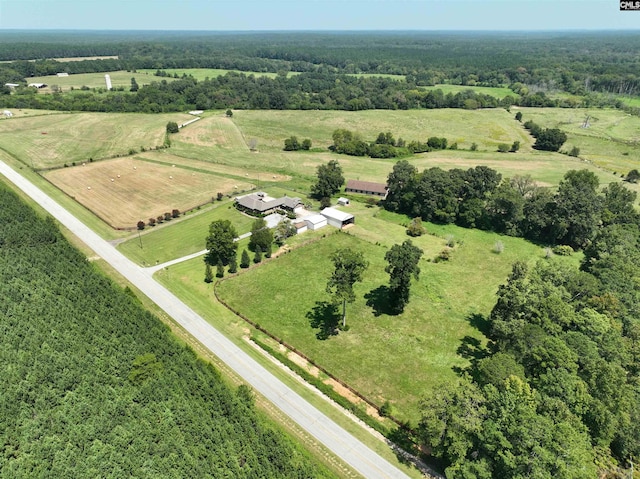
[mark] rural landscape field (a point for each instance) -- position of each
(520, 316)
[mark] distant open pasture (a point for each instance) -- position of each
(79, 59)
(498, 92)
(119, 78)
(123, 191)
(201, 74)
(208, 165)
(50, 141)
(486, 128)
(611, 140)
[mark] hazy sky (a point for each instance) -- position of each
(316, 15)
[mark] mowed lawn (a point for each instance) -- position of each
(125, 190)
(182, 237)
(49, 141)
(396, 358)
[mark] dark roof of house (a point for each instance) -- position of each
(256, 202)
(366, 186)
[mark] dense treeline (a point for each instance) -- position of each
(480, 198)
(95, 386)
(573, 62)
(556, 392)
(532, 65)
(308, 91)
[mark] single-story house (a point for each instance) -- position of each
(261, 203)
(367, 188)
(315, 222)
(12, 85)
(343, 201)
(62, 74)
(337, 218)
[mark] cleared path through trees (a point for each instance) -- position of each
(332, 436)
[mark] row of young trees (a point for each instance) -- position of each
(480, 198)
(222, 247)
(93, 385)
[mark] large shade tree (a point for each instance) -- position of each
(403, 264)
(349, 266)
(221, 246)
(329, 180)
(261, 235)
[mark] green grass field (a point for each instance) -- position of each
(395, 358)
(183, 237)
(487, 128)
(384, 357)
(499, 93)
(94, 80)
(48, 141)
(201, 74)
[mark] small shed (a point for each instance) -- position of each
(315, 222)
(62, 74)
(301, 226)
(343, 201)
(337, 218)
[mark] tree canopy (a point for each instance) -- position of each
(403, 264)
(221, 246)
(93, 385)
(261, 236)
(349, 266)
(329, 180)
(557, 385)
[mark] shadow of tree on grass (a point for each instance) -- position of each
(479, 322)
(472, 348)
(379, 300)
(326, 317)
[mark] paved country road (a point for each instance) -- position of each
(336, 439)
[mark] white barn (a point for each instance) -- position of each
(337, 218)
